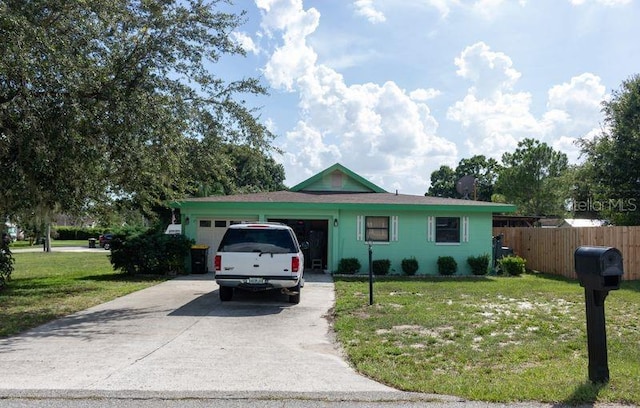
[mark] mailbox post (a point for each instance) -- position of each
(599, 270)
(370, 275)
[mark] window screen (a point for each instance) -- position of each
(377, 229)
(448, 229)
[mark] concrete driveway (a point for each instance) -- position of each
(178, 336)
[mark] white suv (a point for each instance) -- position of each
(259, 256)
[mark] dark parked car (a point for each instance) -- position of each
(105, 240)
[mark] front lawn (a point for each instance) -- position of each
(491, 338)
(54, 243)
(45, 286)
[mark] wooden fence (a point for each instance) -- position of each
(551, 250)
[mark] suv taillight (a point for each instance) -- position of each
(218, 262)
(295, 264)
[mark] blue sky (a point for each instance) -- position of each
(393, 89)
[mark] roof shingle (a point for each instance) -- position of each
(339, 198)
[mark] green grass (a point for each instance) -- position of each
(492, 339)
(54, 243)
(46, 286)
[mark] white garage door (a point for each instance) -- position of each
(210, 232)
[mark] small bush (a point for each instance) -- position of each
(512, 265)
(149, 252)
(447, 265)
(381, 266)
(77, 233)
(409, 266)
(348, 266)
(479, 264)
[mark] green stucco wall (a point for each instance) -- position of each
(412, 241)
(342, 239)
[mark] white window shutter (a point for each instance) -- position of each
(431, 229)
(465, 229)
(394, 228)
(360, 228)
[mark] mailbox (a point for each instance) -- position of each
(598, 268)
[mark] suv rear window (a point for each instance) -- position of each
(257, 240)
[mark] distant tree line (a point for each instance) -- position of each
(539, 180)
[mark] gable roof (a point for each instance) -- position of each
(337, 187)
(293, 199)
(337, 179)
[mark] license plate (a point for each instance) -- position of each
(255, 281)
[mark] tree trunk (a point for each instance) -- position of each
(47, 238)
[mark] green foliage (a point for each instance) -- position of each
(447, 265)
(479, 264)
(6, 263)
(409, 266)
(380, 266)
(149, 252)
(611, 171)
(349, 266)
(111, 118)
(512, 265)
(485, 171)
(443, 183)
(76, 233)
(531, 178)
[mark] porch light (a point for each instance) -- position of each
(335, 222)
(186, 221)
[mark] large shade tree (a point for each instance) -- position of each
(613, 158)
(106, 101)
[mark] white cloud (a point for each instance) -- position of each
(380, 131)
(489, 71)
(366, 9)
(584, 93)
(574, 111)
(496, 117)
(306, 152)
(385, 128)
(293, 58)
(486, 9)
(423, 95)
(245, 41)
(496, 124)
(443, 6)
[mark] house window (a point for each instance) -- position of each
(448, 229)
(377, 229)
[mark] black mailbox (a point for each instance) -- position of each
(599, 268)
